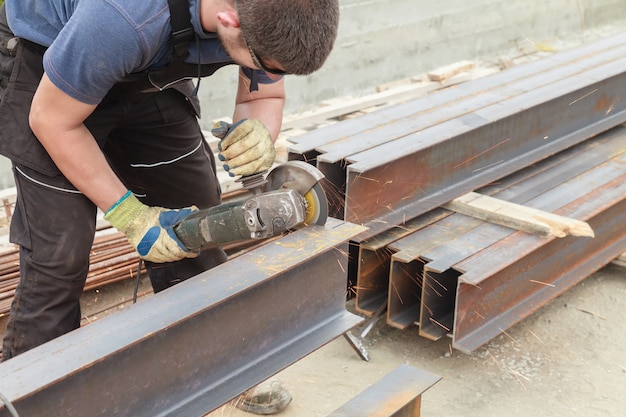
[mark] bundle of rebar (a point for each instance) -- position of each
(112, 259)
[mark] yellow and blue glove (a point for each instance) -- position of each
(246, 147)
(150, 229)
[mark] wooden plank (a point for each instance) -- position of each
(8, 193)
(620, 260)
(518, 217)
(443, 73)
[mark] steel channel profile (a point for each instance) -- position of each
(374, 258)
(397, 394)
(431, 252)
(193, 347)
(523, 272)
(385, 188)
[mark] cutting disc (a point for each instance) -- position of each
(316, 206)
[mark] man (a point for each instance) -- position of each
(99, 111)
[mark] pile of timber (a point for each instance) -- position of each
(404, 170)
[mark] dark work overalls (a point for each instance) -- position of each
(154, 144)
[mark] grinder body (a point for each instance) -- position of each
(289, 197)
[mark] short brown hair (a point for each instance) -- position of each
(297, 34)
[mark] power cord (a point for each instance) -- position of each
(137, 281)
(9, 406)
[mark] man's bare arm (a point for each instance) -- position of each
(57, 121)
(265, 104)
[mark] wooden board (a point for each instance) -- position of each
(620, 260)
(443, 73)
(518, 217)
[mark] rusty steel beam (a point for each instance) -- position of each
(423, 261)
(407, 269)
(397, 394)
(340, 136)
(495, 92)
(594, 166)
(374, 258)
(336, 146)
(407, 177)
(189, 349)
(513, 278)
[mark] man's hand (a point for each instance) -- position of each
(246, 147)
(150, 229)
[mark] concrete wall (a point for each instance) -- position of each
(385, 40)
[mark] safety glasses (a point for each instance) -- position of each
(259, 63)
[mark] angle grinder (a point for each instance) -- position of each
(289, 196)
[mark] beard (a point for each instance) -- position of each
(232, 43)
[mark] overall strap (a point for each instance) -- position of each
(177, 72)
(182, 31)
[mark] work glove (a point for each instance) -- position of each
(246, 147)
(150, 229)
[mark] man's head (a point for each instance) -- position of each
(297, 34)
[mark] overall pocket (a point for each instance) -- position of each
(23, 66)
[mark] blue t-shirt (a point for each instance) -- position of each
(93, 44)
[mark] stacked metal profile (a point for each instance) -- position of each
(531, 135)
(190, 349)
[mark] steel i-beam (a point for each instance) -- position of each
(374, 258)
(549, 186)
(425, 260)
(402, 179)
(189, 349)
(513, 278)
(473, 96)
(338, 145)
(407, 268)
(360, 133)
